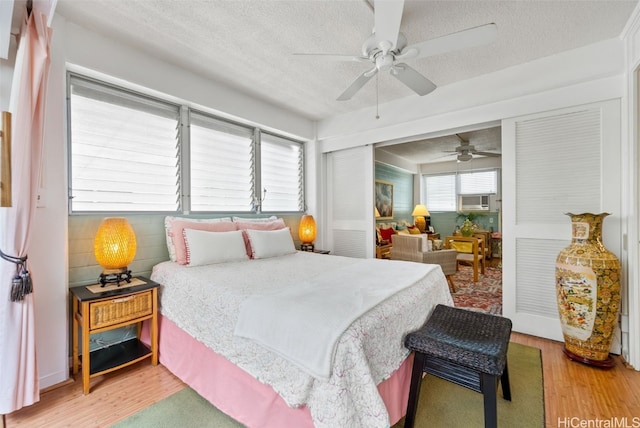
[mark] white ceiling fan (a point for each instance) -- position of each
(386, 49)
(466, 151)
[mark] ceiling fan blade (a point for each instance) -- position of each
(470, 38)
(486, 153)
(332, 57)
(445, 156)
(357, 85)
(388, 15)
(414, 80)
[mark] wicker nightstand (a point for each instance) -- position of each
(107, 310)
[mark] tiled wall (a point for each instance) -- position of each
(151, 244)
(150, 238)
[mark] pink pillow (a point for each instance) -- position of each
(267, 225)
(387, 234)
(178, 238)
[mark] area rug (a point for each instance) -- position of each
(442, 404)
(484, 295)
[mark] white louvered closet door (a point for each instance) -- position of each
(554, 163)
(349, 196)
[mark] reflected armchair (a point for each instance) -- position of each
(414, 248)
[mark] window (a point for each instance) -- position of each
(124, 150)
(281, 172)
(133, 153)
(221, 165)
(478, 183)
(441, 191)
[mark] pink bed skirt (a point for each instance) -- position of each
(238, 394)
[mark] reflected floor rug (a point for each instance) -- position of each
(442, 404)
(484, 295)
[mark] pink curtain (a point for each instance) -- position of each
(19, 385)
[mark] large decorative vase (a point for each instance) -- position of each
(588, 292)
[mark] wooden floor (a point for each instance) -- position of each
(573, 392)
(575, 395)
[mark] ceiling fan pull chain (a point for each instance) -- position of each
(377, 81)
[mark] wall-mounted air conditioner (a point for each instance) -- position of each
(474, 203)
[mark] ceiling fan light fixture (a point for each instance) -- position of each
(465, 157)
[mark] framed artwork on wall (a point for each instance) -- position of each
(384, 199)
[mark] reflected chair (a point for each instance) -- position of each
(470, 250)
(486, 237)
(414, 248)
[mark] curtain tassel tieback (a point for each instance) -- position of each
(21, 283)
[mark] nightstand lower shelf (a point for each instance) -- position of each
(96, 311)
(119, 355)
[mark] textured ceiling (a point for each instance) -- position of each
(248, 44)
(442, 149)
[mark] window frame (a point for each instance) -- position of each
(259, 188)
(125, 93)
(425, 177)
(457, 194)
(184, 156)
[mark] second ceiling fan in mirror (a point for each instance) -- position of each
(465, 151)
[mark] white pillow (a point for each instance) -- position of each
(168, 225)
(254, 219)
(270, 243)
(204, 247)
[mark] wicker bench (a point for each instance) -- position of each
(464, 347)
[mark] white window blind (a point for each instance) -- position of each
(222, 159)
(478, 182)
(134, 153)
(124, 150)
(281, 169)
(440, 192)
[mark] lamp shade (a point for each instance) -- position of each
(420, 210)
(307, 229)
(376, 212)
(115, 243)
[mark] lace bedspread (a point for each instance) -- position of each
(204, 301)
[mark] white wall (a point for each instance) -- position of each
(485, 99)
(89, 52)
(6, 75)
(48, 248)
(47, 251)
(630, 131)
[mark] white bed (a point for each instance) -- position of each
(205, 302)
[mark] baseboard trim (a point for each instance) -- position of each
(66, 382)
